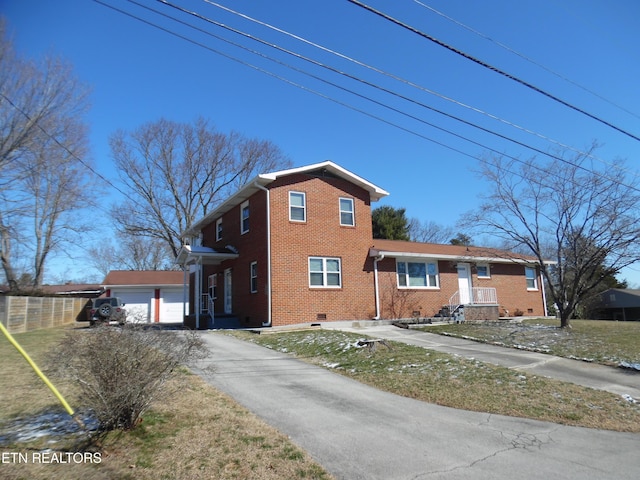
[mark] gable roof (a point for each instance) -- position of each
(401, 248)
(264, 179)
(131, 278)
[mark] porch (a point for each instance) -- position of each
(476, 303)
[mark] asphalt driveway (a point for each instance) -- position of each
(357, 432)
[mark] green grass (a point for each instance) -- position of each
(456, 382)
(608, 343)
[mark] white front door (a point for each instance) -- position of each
(464, 283)
(227, 291)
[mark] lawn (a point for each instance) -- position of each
(200, 433)
(456, 382)
(608, 343)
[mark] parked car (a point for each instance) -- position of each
(108, 310)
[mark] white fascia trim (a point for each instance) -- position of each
(456, 257)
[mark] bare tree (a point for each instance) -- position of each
(429, 232)
(42, 139)
(130, 253)
(176, 173)
(566, 211)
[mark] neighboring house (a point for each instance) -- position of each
(150, 296)
(619, 304)
(296, 246)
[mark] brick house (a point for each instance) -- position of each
(296, 246)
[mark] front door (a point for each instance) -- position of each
(464, 283)
(227, 291)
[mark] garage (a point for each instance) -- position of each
(137, 303)
(150, 296)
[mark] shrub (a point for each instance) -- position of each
(121, 371)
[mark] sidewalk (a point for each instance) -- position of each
(611, 379)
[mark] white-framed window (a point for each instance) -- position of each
(325, 272)
(213, 286)
(204, 302)
(532, 278)
(254, 276)
(219, 229)
(415, 274)
(483, 270)
(347, 216)
(244, 217)
(297, 207)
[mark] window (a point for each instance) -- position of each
(532, 280)
(244, 217)
(325, 272)
(346, 212)
(297, 207)
(417, 274)
(483, 270)
(254, 277)
(218, 229)
(213, 286)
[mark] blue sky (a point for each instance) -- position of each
(140, 74)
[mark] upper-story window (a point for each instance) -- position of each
(219, 229)
(346, 212)
(244, 217)
(297, 207)
(532, 278)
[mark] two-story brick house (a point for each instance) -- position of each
(296, 246)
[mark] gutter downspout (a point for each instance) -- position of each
(376, 284)
(269, 300)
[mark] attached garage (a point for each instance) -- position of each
(150, 296)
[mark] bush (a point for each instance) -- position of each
(121, 371)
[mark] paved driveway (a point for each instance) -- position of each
(358, 432)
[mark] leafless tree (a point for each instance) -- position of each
(429, 232)
(42, 144)
(567, 211)
(130, 253)
(176, 173)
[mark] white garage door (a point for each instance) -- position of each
(137, 304)
(171, 306)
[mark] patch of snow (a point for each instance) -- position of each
(331, 365)
(632, 366)
(629, 398)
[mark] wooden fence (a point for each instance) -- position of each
(24, 314)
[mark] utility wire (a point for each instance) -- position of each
(524, 57)
(330, 83)
(352, 77)
(409, 83)
(490, 67)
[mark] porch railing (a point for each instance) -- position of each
(477, 296)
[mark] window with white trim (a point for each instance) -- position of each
(297, 207)
(483, 270)
(532, 278)
(219, 229)
(325, 272)
(213, 286)
(244, 217)
(417, 274)
(347, 216)
(254, 277)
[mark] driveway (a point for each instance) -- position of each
(357, 432)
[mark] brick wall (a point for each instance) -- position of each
(321, 235)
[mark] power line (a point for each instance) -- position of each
(524, 57)
(395, 77)
(490, 67)
(352, 77)
(330, 83)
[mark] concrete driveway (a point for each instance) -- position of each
(357, 432)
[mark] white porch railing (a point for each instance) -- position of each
(479, 296)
